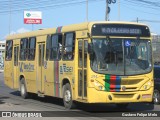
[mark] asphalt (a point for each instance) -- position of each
(5, 104)
(11, 101)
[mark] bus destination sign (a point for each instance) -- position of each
(128, 30)
(115, 30)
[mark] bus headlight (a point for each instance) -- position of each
(147, 85)
(98, 85)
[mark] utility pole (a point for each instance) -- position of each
(10, 17)
(137, 20)
(106, 16)
(119, 10)
(87, 10)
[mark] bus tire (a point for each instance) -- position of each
(67, 97)
(156, 97)
(23, 89)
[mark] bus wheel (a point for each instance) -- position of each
(23, 89)
(122, 105)
(156, 97)
(67, 97)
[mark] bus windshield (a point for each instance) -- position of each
(119, 56)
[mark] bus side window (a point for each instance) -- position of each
(23, 48)
(31, 48)
(56, 47)
(69, 42)
(48, 47)
(9, 46)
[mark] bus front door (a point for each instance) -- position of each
(16, 67)
(40, 71)
(82, 69)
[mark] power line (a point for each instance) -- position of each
(137, 10)
(150, 3)
(54, 5)
(142, 5)
(33, 3)
(145, 3)
(143, 20)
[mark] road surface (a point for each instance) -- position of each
(10, 100)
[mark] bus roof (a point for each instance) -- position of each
(68, 28)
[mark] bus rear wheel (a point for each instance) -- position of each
(23, 89)
(67, 97)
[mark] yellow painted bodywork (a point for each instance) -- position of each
(42, 79)
(134, 89)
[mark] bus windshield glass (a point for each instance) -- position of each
(119, 56)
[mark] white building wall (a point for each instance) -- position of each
(2, 47)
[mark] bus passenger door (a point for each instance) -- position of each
(16, 67)
(82, 69)
(40, 70)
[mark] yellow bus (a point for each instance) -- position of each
(91, 62)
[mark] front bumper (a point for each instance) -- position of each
(95, 96)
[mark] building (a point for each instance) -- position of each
(156, 48)
(2, 47)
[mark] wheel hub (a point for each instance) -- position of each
(22, 89)
(67, 96)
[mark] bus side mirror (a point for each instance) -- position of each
(90, 48)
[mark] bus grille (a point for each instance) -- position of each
(129, 82)
(127, 89)
(123, 95)
(123, 83)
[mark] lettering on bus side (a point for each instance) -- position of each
(26, 67)
(65, 69)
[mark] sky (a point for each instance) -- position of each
(64, 12)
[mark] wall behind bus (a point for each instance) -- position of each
(2, 51)
(1, 61)
(156, 48)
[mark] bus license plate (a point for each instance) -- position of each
(146, 96)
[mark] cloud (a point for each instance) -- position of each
(20, 30)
